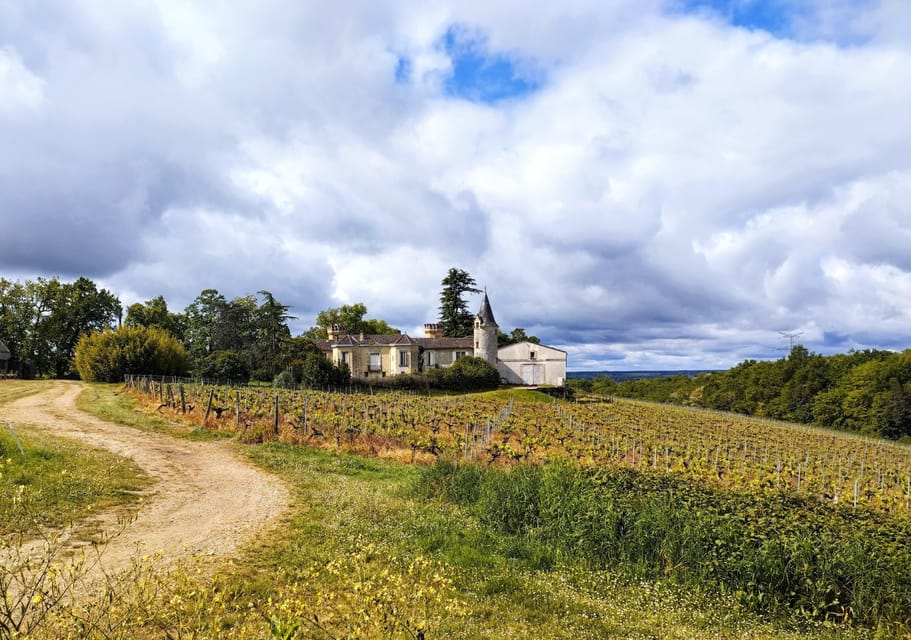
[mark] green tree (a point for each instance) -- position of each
(892, 409)
(16, 314)
(63, 313)
(603, 384)
(455, 318)
(350, 317)
(215, 324)
(271, 319)
(223, 364)
(516, 335)
(580, 385)
(311, 368)
(235, 329)
(202, 320)
(105, 356)
(154, 313)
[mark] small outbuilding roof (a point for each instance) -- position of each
(4, 351)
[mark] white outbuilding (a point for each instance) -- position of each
(531, 364)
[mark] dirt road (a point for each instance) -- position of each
(205, 501)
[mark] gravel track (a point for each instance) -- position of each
(205, 500)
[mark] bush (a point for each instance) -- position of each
(106, 356)
(466, 374)
(471, 374)
(284, 380)
(313, 369)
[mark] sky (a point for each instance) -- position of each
(646, 184)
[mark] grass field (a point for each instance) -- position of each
(364, 555)
(11, 389)
(50, 481)
(376, 548)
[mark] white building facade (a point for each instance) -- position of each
(531, 364)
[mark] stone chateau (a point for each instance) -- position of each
(522, 363)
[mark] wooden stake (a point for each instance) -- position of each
(275, 422)
(209, 405)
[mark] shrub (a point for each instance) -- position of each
(313, 369)
(105, 356)
(466, 374)
(284, 380)
(471, 374)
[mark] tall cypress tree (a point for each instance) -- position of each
(455, 318)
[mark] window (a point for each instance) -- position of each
(346, 357)
(431, 358)
(375, 362)
(403, 358)
(459, 354)
(532, 355)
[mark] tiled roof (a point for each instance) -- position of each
(377, 340)
(324, 345)
(446, 343)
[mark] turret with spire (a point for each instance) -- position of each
(485, 333)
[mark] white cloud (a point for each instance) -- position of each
(676, 191)
(20, 89)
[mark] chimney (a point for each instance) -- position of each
(433, 331)
(336, 332)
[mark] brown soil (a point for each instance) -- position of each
(205, 500)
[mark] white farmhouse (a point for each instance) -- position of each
(533, 364)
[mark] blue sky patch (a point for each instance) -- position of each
(403, 70)
(481, 75)
(772, 16)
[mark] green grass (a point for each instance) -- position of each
(106, 401)
(512, 587)
(55, 481)
(11, 389)
(784, 556)
(520, 395)
(357, 529)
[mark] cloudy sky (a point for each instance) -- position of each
(647, 184)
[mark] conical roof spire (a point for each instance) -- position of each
(485, 315)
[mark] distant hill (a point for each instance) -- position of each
(621, 376)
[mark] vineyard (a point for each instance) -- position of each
(722, 449)
(792, 522)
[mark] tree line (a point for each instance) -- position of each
(863, 391)
(44, 321)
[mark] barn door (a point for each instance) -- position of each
(532, 374)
